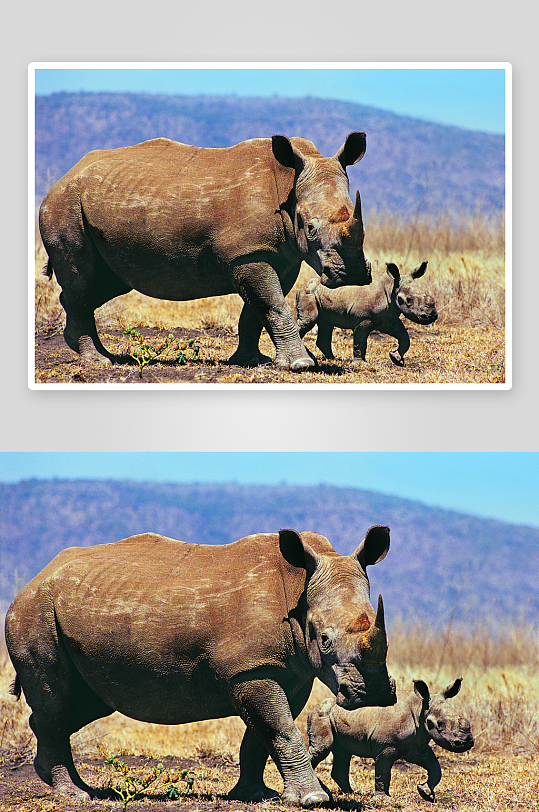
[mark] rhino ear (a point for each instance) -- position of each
(393, 271)
(419, 271)
(286, 154)
(452, 690)
(296, 551)
(352, 150)
(422, 690)
(373, 548)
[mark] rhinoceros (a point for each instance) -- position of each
(376, 307)
(180, 222)
(386, 734)
(169, 632)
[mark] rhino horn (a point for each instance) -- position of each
(354, 225)
(374, 643)
(357, 209)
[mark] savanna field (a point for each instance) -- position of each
(466, 345)
(499, 696)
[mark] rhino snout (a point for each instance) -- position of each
(428, 316)
(459, 744)
(336, 271)
(421, 315)
(372, 690)
(466, 744)
(455, 736)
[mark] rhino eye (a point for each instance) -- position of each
(325, 642)
(311, 231)
(434, 724)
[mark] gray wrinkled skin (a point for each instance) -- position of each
(169, 632)
(180, 222)
(377, 306)
(386, 734)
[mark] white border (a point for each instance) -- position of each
(332, 387)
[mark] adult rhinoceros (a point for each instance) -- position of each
(169, 632)
(180, 222)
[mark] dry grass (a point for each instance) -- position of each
(499, 696)
(480, 232)
(466, 276)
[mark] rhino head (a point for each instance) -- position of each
(328, 226)
(344, 637)
(410, 299)
(443, 724)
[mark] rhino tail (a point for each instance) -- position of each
(48, 270)
(16, 688)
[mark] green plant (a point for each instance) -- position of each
(146, 352)
(132, 786)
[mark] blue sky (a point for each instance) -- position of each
(469, 97)
(496, 485)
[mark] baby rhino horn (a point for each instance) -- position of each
(374, 643)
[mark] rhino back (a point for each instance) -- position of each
(161, 202)
(367, 731)
(161, 618)
(345, 306)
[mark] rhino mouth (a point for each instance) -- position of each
(360, 694)
(423, 318)
(461, 746)
(339, 275)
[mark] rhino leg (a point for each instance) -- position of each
(361, 335)
(261, 289)
(323, 340)
(320, 733)
(340, 772)
(429, 762)
(399, 332)
(253, 757)
(53, 721)
(264, 707)
(249, 330)
(382, 770)
(80, 332)
(61, 704)
(87, 283)
(306, 310)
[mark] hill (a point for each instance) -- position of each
(409, 164)
(442, 565)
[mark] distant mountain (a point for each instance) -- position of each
(442, 565)
(410, 165)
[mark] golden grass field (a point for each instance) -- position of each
(499, 697)
(466, 345)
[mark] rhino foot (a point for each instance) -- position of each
(244, 792)
(381, 797)
(397, 359)
(315, 799)
(295, 364)
(243, 359)
(311, 799)
(302, 363)
(62, 784)
(89, 354)
(426, 792)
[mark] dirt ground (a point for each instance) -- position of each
(473, 782)
(438, 355)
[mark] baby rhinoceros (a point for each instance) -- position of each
(387, 734)
(377, 306)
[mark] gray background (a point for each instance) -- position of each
(276, 419)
